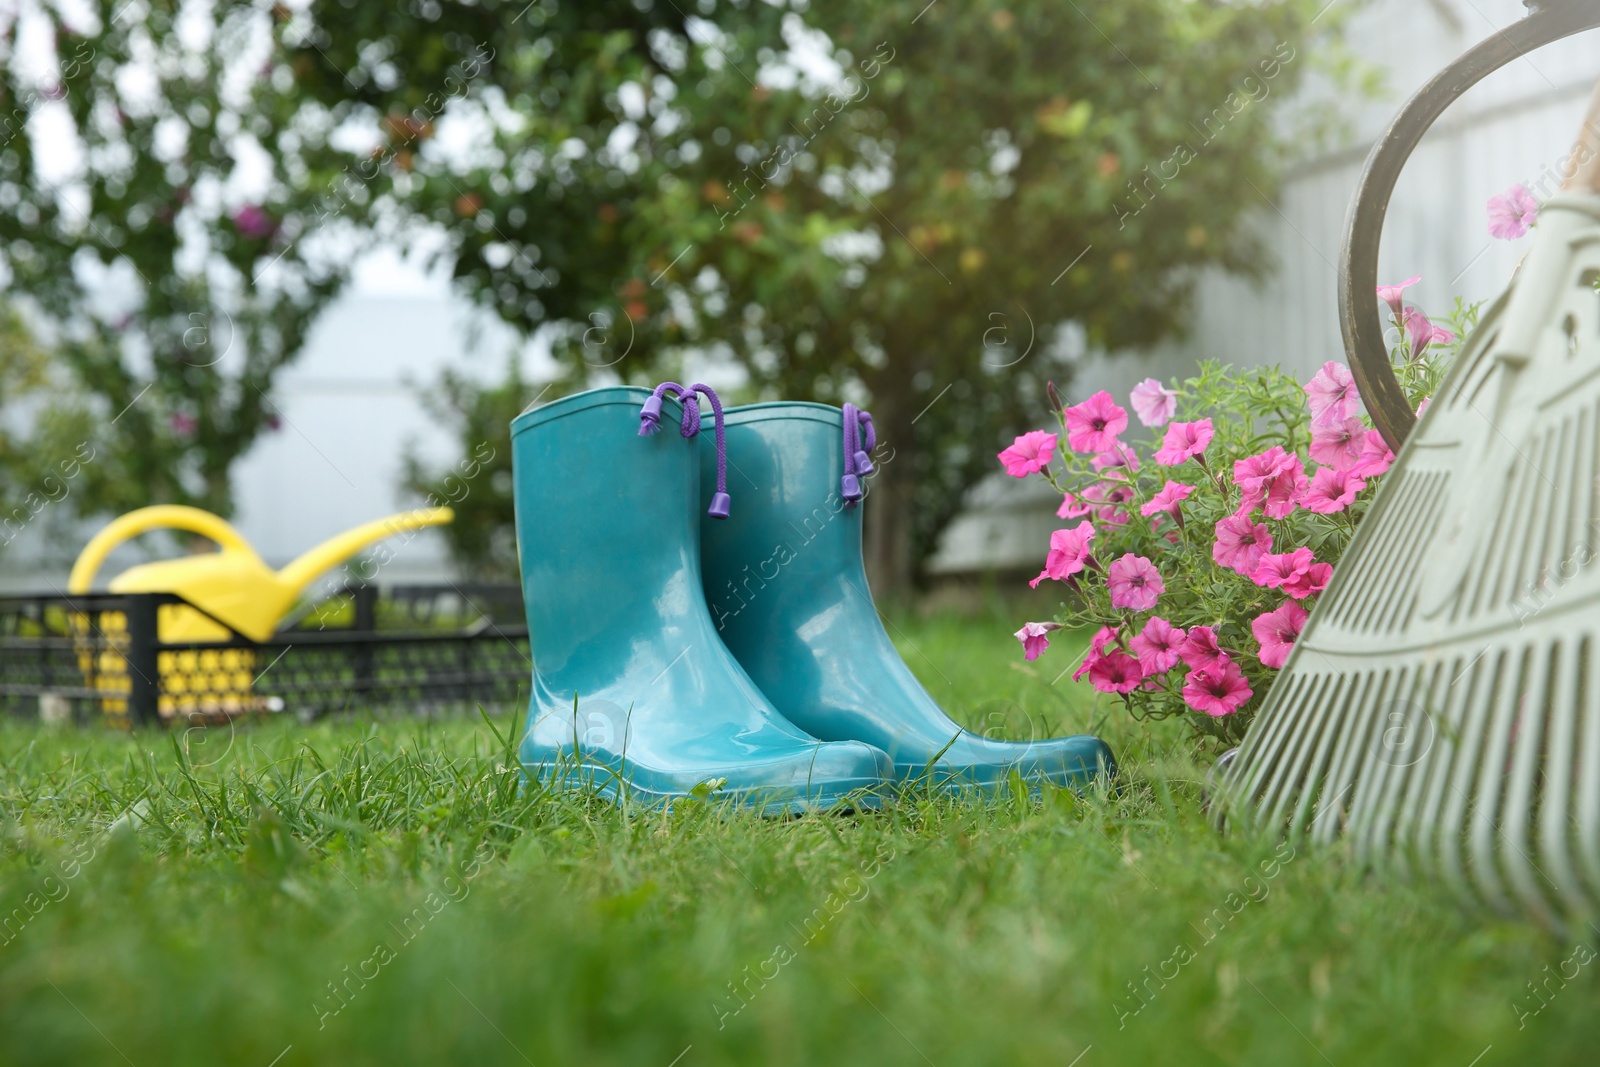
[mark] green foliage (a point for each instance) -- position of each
(240, 900)
(900, 235)
(45, 449)
(217, 294)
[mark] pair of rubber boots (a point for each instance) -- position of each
(679, 653)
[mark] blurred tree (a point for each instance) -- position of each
(889, 201)
(167, 219)
(45, 433)
(976, 177)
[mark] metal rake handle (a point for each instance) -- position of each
(1546, 21)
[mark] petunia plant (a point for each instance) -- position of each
(1196, 556)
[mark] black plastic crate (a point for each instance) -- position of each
(417, 649)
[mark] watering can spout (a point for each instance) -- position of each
(306, 568)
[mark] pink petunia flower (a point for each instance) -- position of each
(1034, 639)
(1423, 406)
(1116, 672)
(1391, 294)
(1200, 648)
(1153, 402)
(1272, 480)
(1103, 639)
(1277, 631)
(1093, 425)
(1420, 332)
(1240, 544)
(1171, 495)
(1134, 583)
(1375, 456)
(1332, 490)
(1339, 444)
(1276, 568)
(1071, 508)
(1069, 550)
(1217, 690)
(1121, 458)
(1512, 213)
(1029, 454)
(1331, 393)
(1157, 646)
(1184, 441)
(1107, 502)
(1313, 581)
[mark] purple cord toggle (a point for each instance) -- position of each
(650, 414)
(859, 440)
(649, 422)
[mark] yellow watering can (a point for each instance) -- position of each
(233, 585)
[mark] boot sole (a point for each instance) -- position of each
(860, 794)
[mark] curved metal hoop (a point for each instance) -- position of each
(1547, 21)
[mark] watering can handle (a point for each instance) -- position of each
(1546, 21)
(143, 520)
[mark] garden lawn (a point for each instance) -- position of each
(384, 893)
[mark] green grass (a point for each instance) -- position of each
(218, 898)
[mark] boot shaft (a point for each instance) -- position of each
(605, 521)
(792, 535)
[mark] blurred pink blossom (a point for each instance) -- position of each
(1512, 213)
(1153, 402)
(253, 222)
(1391, 294)
(1331, 394)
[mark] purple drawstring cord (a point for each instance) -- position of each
(649, 422)
(719, 500)
(864, 464)
(857, 464)
(650, 414)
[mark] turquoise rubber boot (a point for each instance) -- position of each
(633, 691)
(788, 592)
